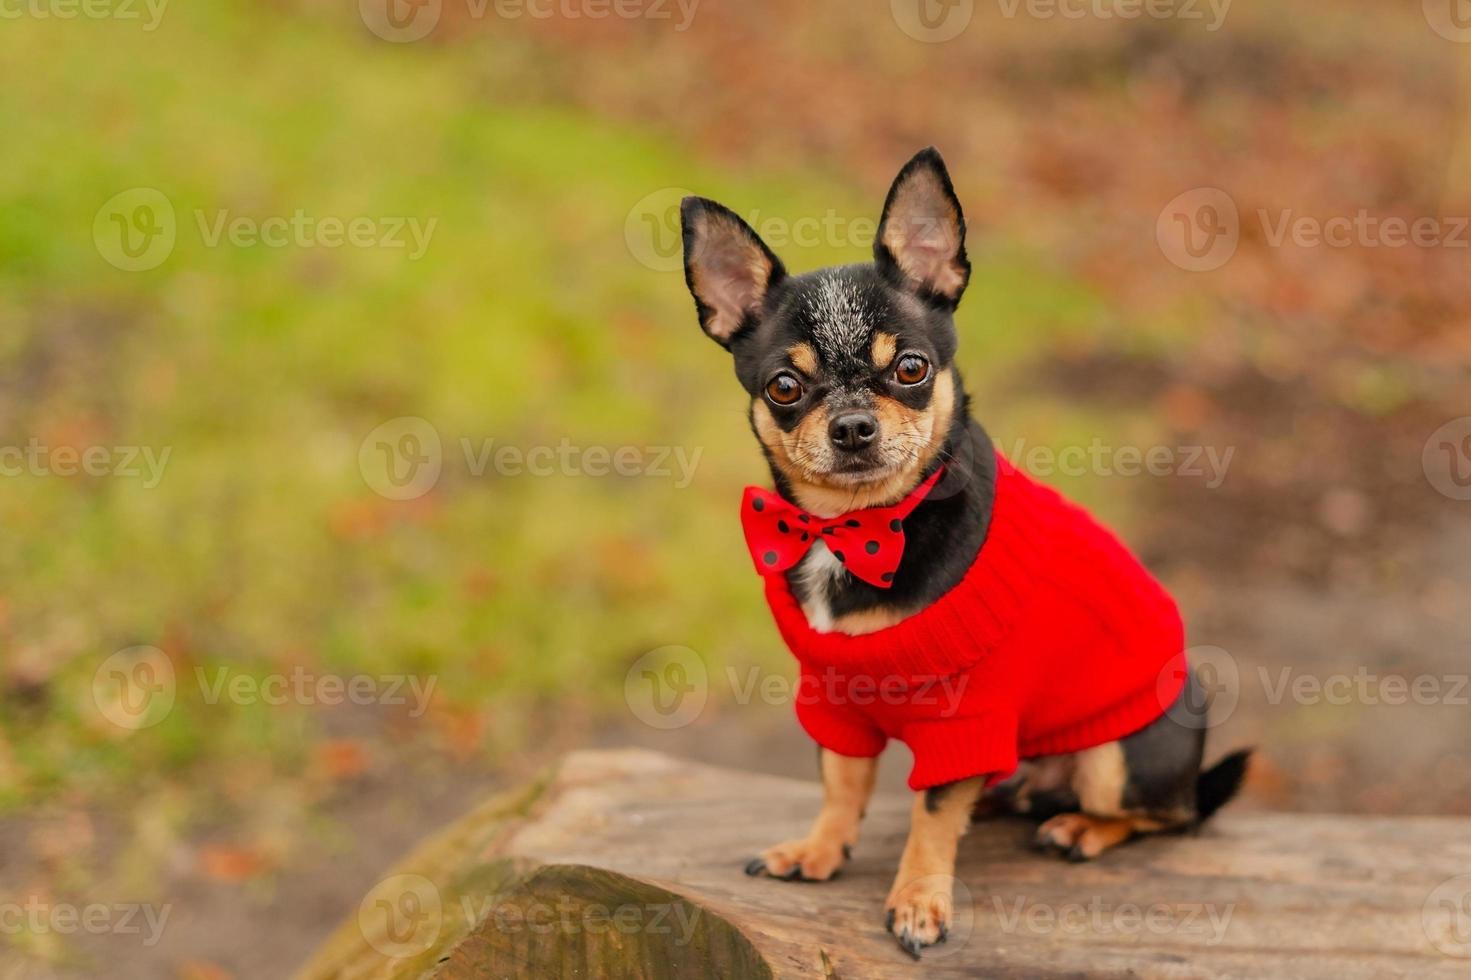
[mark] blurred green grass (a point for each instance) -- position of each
(262, 369)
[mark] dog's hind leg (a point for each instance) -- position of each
(1147, 782)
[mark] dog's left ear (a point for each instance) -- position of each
(921, 237)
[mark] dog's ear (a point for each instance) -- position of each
(921, 237)
(727, 266)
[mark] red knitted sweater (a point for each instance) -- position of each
(1056, 640)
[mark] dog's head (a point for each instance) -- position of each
(850, 369)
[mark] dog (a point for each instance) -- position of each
(903, 553)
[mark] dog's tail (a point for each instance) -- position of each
(1215, 786)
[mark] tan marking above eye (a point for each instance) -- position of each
(885, 346)
(803, 358)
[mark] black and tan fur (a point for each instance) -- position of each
(863, 432)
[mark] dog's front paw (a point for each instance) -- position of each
(808, 859)
(918, 912)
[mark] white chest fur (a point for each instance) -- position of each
(819, 572)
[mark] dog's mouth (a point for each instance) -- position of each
(849, 471)
(860, 470)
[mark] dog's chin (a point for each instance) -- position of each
(855, 477)
(860, 475)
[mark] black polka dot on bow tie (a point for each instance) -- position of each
(783, 527)
(806, 536)
(757, 504)
(804, 519)
(887, 576)
(872, 547)
(829, 530)
(851, 522)
(896, 524)
(839, 556)
(769, 558)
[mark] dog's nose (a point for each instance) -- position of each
(853, 431)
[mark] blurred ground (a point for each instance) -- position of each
(545, 308)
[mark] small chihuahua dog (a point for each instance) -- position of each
(898, 542)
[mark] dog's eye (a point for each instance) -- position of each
(784, 389)
(911, 369)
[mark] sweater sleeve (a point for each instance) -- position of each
(833, 724)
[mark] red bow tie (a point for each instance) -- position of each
(868, 542)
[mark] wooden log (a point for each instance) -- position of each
(628, 864)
